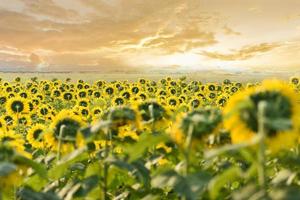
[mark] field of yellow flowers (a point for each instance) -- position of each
(167, 139)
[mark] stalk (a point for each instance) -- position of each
(261, 153)
(60, 137)
(187, 149)
(106, 166)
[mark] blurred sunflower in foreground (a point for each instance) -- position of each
(65, 129)
(198, 123)
(281, 114)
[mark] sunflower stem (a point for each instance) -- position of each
(108, 139)
(187, 148)
(261, 153)
(188, 143)
(151, 111)
(60, 137)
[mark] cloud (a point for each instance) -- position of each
(244, 53)
(48, 8)
(230, 31)
(35, 59)
(122, 34)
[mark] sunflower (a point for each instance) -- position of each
(35, 136)
(44, 111)
(82, 93)
(121, 116)
(109, 90)
(10, 120)
(3, 100)
(97, 111)
(173, 101)
(17, 105)
(97, 94)
(12, 139)
(126, 132)
(83, 102)
(281, 107)
(68, 96)
(195, 103)
(24, 120)
(118, 101)
(69, 123)
(56, 93)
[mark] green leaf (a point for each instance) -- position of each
(286, 193)
(27, 193)
(6, 168)
(219, 181)
(198, 181)
(38, 168)
(87, 185)
(246, 192)
(64, 165)
(146, 141)
(137, 168)
(172, 180)
(35, 182)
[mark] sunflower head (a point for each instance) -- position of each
(35, 136)
(151, 110)
(201, 121)
(294, 80)
(17, 105)
(118, 101)
(121, 116)
(280, 112)
(65, 127)
(68, 96)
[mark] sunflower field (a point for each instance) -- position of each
(167, 139)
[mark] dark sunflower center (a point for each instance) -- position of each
(44, 111)
(23, 120)
(158, 111)
(36, 134)
(17, 106)
(2, 100)
(278, 107)
(119, 101)
(202, 121)
(68, 96)
(70, 130)
(172, 102)
(83, 103)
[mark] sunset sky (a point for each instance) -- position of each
(150, 35)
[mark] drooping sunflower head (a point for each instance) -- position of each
(13, 139)
(151, 110)
(17, 105)
(65, 127)
(280, 112)
(199, 123)
(121, 116)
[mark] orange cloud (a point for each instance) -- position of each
(242, 54)
(121, 34)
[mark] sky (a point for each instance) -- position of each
(150, 35)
